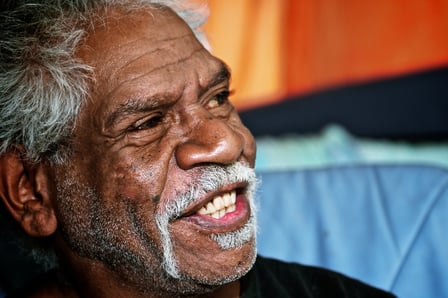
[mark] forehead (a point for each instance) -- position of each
(119, 31)
(148, 50)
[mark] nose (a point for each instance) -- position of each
(210, 141)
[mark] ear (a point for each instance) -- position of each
(26, 191)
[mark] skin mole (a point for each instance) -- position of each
(156, 198)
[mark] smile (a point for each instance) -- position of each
(220, 205)
(223, 212)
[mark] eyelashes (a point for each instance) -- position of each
(147, 123)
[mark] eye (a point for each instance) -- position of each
(218, 100)
(147, 123)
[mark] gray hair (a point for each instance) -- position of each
(42, 85)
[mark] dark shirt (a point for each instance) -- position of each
(272, 278)
(268, 278)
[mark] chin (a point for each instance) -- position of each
(227, 267)
(221, 266)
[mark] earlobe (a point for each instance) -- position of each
(26, 191)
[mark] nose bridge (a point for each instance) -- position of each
(208, 140)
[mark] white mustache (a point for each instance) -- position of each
(212, 178)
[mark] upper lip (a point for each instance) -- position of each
(193, 208)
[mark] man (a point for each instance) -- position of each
(121, 150)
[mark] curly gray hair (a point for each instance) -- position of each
(42, 85)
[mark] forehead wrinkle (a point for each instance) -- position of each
(138, 39)
(130, 45)
(181, 60)
(122, 75)
(136, 77)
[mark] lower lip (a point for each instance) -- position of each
(229, 222)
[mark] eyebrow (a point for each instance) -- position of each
(137, 105)
(132, 106)
(222, 75)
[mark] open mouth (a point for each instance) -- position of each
(220, 205)
(225, 211)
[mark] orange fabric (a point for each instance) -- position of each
(337, 42)
(278, 47)
(246, 35)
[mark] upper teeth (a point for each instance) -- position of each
(220, 205)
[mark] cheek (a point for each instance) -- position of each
(91, 220)
(133, 179)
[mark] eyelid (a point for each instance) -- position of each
(136, 126)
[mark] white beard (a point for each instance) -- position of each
(212, 178)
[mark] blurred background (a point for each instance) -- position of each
(292, 47)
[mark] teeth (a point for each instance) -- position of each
(202, 211)
(211, 208)
(220, 205)
(227, 200)
(231, 208)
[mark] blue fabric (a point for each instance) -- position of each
(384, 224)
(336, 146)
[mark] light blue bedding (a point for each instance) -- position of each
(384, 224)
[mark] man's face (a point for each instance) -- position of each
(156, 149)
